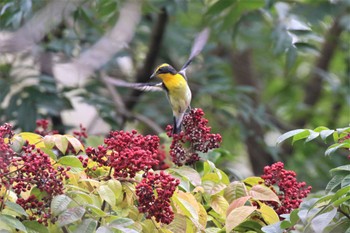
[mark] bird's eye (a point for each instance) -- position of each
(161, 70)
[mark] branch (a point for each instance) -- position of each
(154, 48)
(38, 26)
(313, 88)
(120, 108)
(244, 75)
(108, 45)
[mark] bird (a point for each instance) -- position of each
(173, 83)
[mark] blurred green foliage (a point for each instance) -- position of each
(282, 40)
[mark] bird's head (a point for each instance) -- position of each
(164, 70)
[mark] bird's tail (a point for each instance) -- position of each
(178, 123)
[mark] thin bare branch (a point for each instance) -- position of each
(313, 89)
(154, 47)
(121, 110)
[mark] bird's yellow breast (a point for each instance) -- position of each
(173, 81)
(178, 91)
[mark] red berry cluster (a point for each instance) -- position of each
(154, 193)
(27, 169)
(40, 210)
(81, 135)
(126, 152)
(42, 128)
(290, 191)
(6, 154)
(196, 135)
(35, 169)
(162, 165)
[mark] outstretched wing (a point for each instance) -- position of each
(137, 86)
(197, 47)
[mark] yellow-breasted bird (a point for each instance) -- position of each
(174, 83)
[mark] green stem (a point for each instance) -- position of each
(104, 203)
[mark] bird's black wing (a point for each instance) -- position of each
(137, 86)
(197, 47)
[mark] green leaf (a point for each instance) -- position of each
(219, 204)
(79, 195)
(70, 215)
(346, 181)
(336, 146)
(121, 222)
(320, 128)
(186, 204)
(341, 201)
(334, 183)
(61, 143)
(237, 216)
(249, 226)
(59, 204)
(87, 226)
(117, 188)
(325, 133)
(178, 224)
(75, 143)
(32, 138)
(35, 227)
(301, 135)
(16, 208)
(212, 230)
(289, 134)
(312, 136)
(107, 194)
(219, 6)
(294, 218)
(274, 228)
(285, 224)
(49, 141)
(340, 193)
(268, 214)
(189, 173)
(252, 181)
(263, 193)
(212, 187)
(50, 153)
(323, 200)
(235, 190)
(340, 168)
(320, 222)
(96, 210)
(104, 229)
(208, 167)
(70, 161)
(12, 222)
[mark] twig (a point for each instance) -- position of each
(314, 86)
(154, 48)
(121, 109)
(346, 214)
(64, 229)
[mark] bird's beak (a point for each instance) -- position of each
(153, 75)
